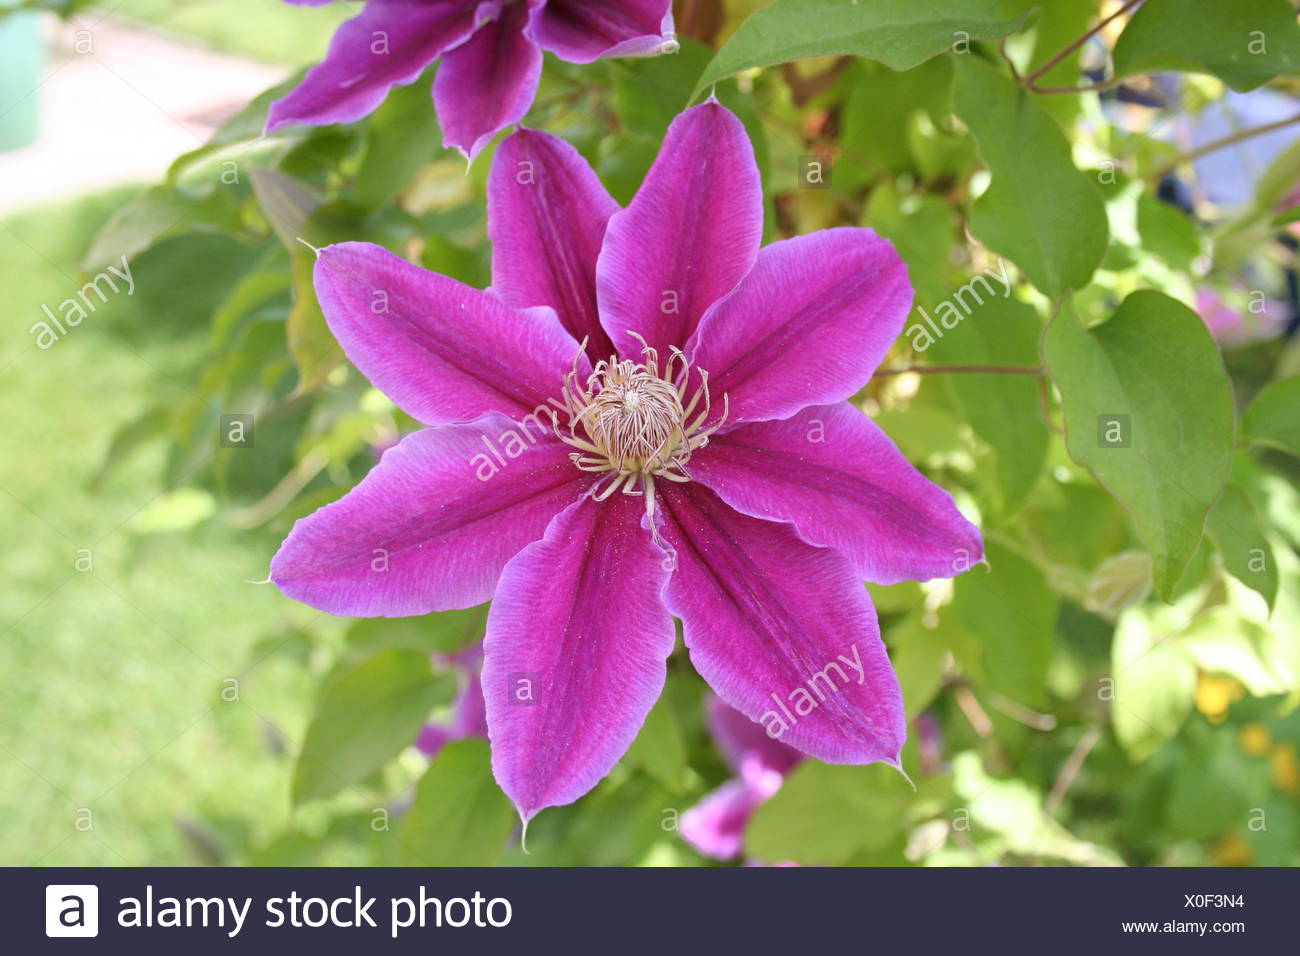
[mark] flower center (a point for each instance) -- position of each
(633, 423)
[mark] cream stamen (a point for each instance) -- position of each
(633, 422)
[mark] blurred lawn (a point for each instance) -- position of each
(267, 30)
(110, 679)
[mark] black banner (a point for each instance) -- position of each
(150, 910)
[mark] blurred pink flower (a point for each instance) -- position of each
(491, 52)
(716, 825)
(468, 717)
(1231, 327)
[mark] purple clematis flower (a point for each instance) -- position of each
(698, 458)
(468, 717)
(716, 825)
(491, 53)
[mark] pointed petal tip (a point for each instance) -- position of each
(897, 764)
(524, 819)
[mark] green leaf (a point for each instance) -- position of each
(923, 230)
(917, 653)
(1003, 410)
(826, 815)
(1246, 551)
(1211, 791)
(1148, 410)
(1122, 581)
(647, 95)
(1222, 642)
(1012, 810)
(365, 717)
(1243, 42)
(1008, 607)
(1168, 232)
(898, 33)
(156, 215)
(287, 203)
(311, 343)
(1153, 680)
(1039, 210)
(658, 749)
(1274, 416)
(460, 817)
(878, 112)
(403, 137)
(439, 633)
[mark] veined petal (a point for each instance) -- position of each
(838, 479)
(444, 352)
(688, 237)
(581, 31)
(782, 631)
(432, 525)
(388, 44)
(547, 214)
(488, 82)
(575, 654)
(807, 326)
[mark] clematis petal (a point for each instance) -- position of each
(807, 326)
(838, 479)
(744, 743)
(688, 237)
(716, 825)
(444, 352)
(575, 653)
(782, 631)
(581, 31)
(547, 213)
(432, 525)
(390, 43)
(488, 82)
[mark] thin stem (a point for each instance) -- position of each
(972, 369)
(1030, 77)
(1070, 770)
(1236, 137)
(1085, 88)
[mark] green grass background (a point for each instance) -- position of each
(110, 679)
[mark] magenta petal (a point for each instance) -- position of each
(488, 82)
(547, 213)
(432, 525)
(807, 326)
(388, 44)
(575, 653)
(688, 237)
(716, 825)
(442, 351)
(833, 474)
(782, 631)
(581, 31)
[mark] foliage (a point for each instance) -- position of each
(1117, 684)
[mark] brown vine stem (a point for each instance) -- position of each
(1029, 78)
(1071, 770)
(1156, 174)
(967, 369)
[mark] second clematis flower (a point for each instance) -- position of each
(646, 416)
(490, 51)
